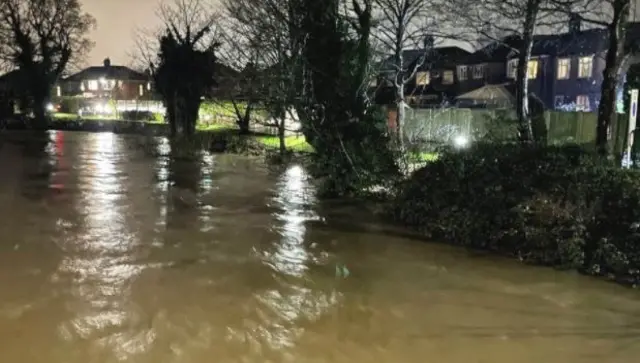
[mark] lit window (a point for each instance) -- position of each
(58, 91)
(107, 84)
(149, 85)
(512, 68)
(119, 83)
(92, 85)
(82, 88)
(447, 77)
(564, 68)
(532, 69)
(463, 73)
(422, 78)
(478, 71)
(582, 103)
(585, 67)
(141, 90)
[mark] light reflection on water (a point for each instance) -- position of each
(113, 252)
(101, 269)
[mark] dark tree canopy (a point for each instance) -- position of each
(41, 38)
(183, 75)
(184, 68)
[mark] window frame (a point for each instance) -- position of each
(559, 63)
(423, 75)
(448, 80)
(463, 73)
(581, 66)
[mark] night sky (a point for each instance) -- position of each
(117, 22)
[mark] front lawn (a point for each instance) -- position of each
(294, 143)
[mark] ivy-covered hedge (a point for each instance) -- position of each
(559, 206)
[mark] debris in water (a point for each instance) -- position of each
(342, 271)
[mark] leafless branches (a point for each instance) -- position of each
(50, 32)
(193, 22)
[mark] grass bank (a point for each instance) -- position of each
(207, 132)
(555, 206)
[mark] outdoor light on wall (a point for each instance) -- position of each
(461, 141)
(101, 108)
(49, 107)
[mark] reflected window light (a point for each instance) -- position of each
(163, 147)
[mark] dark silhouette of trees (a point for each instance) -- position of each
(316, 59)
(268, 43)
(347, 132)
(40, 38)
(184, 68)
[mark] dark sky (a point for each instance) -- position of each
(117, 22)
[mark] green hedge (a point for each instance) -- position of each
(558, 205)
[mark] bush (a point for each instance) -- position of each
(70, 104)
(347, 167)
(561, 206)
(138, 116)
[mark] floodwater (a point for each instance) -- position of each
(111, 251)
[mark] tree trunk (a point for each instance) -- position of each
(40, 112)
(522, 83)
(614, 57)
(400, 116)
(243, 118)
(282, 136)
(399, 83)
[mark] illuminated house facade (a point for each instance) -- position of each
(107, 82)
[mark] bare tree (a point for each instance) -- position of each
(403, 24)
(503, 19)
(241, 56)
(41, 38)
(269, 47)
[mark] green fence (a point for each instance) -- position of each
(439, 126)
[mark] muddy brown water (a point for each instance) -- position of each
(111, 251)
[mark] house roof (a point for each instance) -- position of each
(109, 72)
(588, 41)
(434, 58)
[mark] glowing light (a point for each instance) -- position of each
(461, 141)
(50, 107)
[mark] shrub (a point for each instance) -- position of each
(135, 115)
(347, 167)
(70, 105)
(559, 205)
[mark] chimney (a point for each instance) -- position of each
(574, 23)
(107, 62)
(429, 41)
